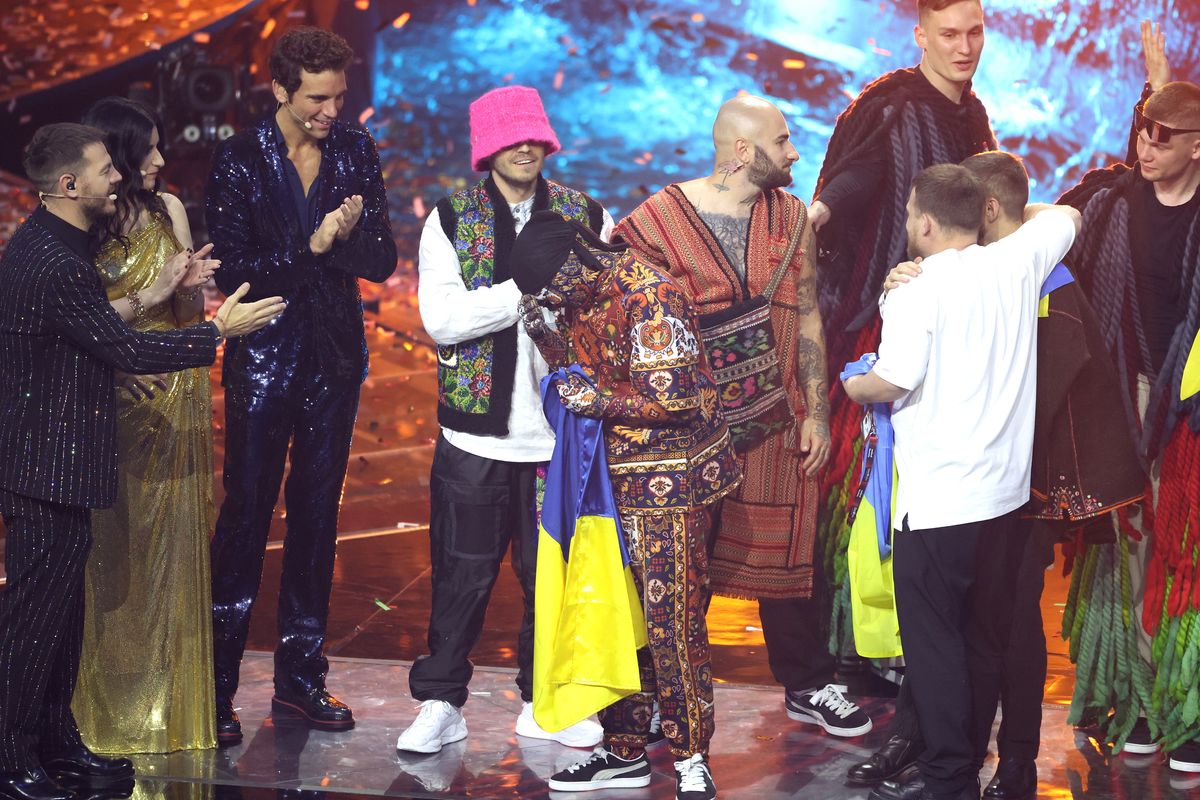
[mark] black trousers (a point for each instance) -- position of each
(796, 631)
(1023, 679)
(955, 594)
(317, 419)
(477, 507)
(41, 626)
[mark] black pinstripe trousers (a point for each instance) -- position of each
(41, 626)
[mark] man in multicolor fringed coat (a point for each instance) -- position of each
(900, 124)
(494, 436)
(1133, 615)
(636, 339)
(722, 237)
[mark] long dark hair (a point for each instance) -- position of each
(128, 126)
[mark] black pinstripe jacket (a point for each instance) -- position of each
(60, 341)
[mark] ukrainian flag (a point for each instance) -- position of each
(588, 622)
(1190, 384)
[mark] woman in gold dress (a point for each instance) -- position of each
(145, 682)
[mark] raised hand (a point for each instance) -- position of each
(168, 280)
(1154, 52)
(199, 268)
(235, 318)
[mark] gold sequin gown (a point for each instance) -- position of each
(145, 682)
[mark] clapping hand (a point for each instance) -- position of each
(336, 225)
(348, 215)
(235, 318)
(200, 268)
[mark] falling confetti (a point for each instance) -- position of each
(402, 20)
(382, 604)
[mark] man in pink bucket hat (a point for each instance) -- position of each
(494, 435)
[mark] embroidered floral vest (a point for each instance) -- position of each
(475, 377)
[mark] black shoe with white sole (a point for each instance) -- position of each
(1186, 757)
(829, 708)
(603, 770)
(693, 781)
(1140, 741)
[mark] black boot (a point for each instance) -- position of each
(317, 709)
(886, 762)
(229, 727)
(31, 784)
(77, 765)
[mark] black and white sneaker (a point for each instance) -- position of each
(1186, 757)
(1140, 742)
(829, 708)
(693, 781)
(603, 770)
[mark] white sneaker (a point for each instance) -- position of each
(438, 723)
(693, 781)
(586, 733)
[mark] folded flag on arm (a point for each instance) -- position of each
(588, 623)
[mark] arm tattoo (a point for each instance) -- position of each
(810, 362)
(806, 283)
(731, 233)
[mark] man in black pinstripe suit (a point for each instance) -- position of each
(60, 341)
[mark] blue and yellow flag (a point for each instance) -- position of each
(1191, 372)
(588, 622)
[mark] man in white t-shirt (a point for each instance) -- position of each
(957, 358)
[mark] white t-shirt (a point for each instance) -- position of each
(961, 338)
(452, 313)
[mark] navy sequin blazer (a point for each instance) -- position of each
(60, 340)
(257, 237)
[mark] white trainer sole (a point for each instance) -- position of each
(804, 716)
(607, 783)
(452, 734)
(531, 730)
(1184, 766)
(1140, 749)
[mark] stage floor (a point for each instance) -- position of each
(757, 753)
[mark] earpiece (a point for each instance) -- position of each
(71, 186)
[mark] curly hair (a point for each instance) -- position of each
(310, 49)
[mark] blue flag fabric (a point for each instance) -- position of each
(588, 623)
(879, 484)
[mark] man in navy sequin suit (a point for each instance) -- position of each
(296, 205)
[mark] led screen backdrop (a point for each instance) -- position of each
(631, 88)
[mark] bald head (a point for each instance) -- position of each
(745, 117)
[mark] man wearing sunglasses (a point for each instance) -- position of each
(1138, 260)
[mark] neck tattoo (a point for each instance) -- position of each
(726, 168)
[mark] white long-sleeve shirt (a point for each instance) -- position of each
(452, 313)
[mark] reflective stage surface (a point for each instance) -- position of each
(758, 753)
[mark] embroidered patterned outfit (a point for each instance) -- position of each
(634, 334)
(765, 530)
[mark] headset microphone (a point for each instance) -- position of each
(80, 196)
(307, 125)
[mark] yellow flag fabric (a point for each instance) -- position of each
(588, 626)
(872, 593)
(1191, 372)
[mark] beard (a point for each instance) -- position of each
(97, 210)
(765, 174)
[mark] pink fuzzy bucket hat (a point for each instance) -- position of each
(507, 116)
